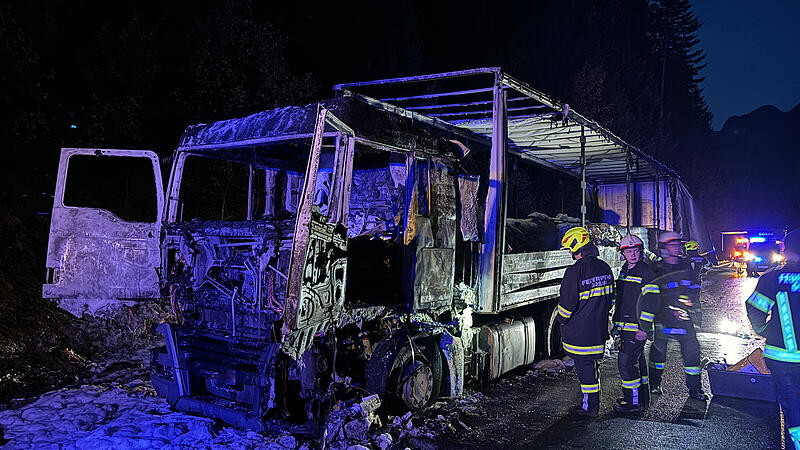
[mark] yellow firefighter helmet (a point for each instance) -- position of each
(575, 238)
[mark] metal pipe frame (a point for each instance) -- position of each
(525, 89)
(583, 177)
(507, 81)
(512, 83)
(486, 111)
(658, 201)
(418, 78)
(455, 105)
(491, 254)
(628, 190)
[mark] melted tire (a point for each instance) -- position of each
(552, 334)
(392, 359)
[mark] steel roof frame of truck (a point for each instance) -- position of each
(473, 106)
(536, 125)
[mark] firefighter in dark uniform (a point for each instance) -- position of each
(634, 281)
(696, 260)
(587, 293)
(774, 312)
(676, 314)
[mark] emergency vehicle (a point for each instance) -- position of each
(756, 251)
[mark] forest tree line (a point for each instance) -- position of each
(134, 75)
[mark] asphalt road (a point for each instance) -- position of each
(531, 409)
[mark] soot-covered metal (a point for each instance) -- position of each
(315, 256)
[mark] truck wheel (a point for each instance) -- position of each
(552, 335)
(402, 380)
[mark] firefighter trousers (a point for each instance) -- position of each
(588, 370)
(787, 384)
(633, 370)
(690, 351)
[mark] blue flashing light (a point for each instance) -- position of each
(758, 239)
(73, 126)
(758, 259)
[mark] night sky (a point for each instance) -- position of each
(86, 74)
(752, 55)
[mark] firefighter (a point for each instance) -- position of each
(774, 312)
(634, 281)
(675, 315)
(587, 293)
(696, 260)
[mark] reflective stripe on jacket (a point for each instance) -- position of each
(778, 293)
(632, 284)
(676, 299)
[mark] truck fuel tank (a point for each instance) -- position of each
(506, 346)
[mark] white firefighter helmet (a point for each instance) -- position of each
(629, 241)
(667, 237)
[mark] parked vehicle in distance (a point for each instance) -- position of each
(763, 253)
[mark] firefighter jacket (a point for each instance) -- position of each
(677, 305)
(587, 293)
(632, 283)
(777, 295)
(696, 262)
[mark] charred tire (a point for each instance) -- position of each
(552, 334)
(404, 381)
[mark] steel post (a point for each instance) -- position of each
(628, 190)
(494, 216)
(583, 176)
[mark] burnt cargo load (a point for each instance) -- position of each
(398, 240)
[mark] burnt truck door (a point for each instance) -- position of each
(430, 234)
(103, 249)
(318, 265)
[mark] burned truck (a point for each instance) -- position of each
(399, 239)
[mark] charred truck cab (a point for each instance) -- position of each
(392, 244)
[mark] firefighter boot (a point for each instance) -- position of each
(628, 408)
(658, 354)
(631, 397)
(656, 370)
(579, 411)
(590, 400)
(588, 371)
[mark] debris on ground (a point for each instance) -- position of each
(116, 415)
(550, 365)
(350, 425)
